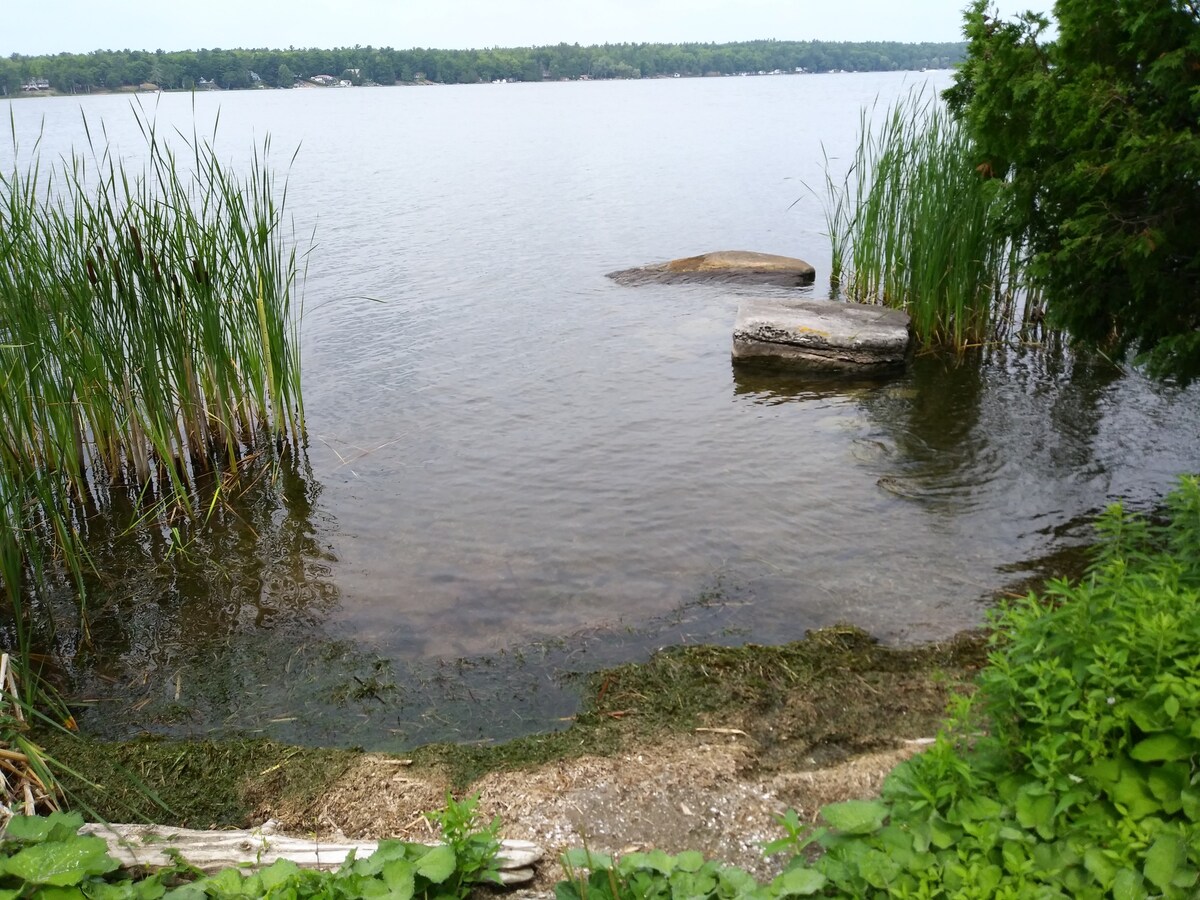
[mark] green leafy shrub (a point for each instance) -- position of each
(397, 870)
(47, 858)
(1086, 782)
(474, 848)
(659, 876)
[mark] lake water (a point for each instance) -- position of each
(518, 469)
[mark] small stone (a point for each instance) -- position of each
(515, 876)
(516, 854)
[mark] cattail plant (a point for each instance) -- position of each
(148, 339)
(915, 225)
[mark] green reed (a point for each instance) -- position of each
(148, 337)
(916, 225)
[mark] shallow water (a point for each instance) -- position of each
(518, 468)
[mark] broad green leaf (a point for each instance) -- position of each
(370, 888)
(251, 886)
(1185, 877)
(689, 861)
(693, 884)
(1128, 885)
(389, 850)
(657, 860)
(1132, 792)
(1167, 783)
(74, 892)
(351, 884)
(277, 873)
(399, 876)
(895, 838)
(1102, 867)
(738, 882)
(1036, 811)
(943, 835)
(1161, 748)
(1106, 771)
(438, 864)
(1149, 716)
(980, 809)
(1015, 854)
(1163, 860)
(34, 829)
(146, 889)
(226, 882)
(64, 826)
(192, 891)
(62, 863)
(367, 866)
(798, 883)
(582, 858)
(855, 816)
(879, 869)
(1190, 800)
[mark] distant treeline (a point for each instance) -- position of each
(109, 70)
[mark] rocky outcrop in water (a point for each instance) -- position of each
(723, 266)
(822, 335)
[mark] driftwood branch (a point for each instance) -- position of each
(211, 851)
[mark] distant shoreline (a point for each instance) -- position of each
(154, 89)
(130, 71)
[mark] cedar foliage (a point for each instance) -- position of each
(1097, 133)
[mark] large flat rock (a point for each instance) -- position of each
(822, 334)
(723, 266)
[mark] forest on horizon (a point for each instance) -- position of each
(112, 70)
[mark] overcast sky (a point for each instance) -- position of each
(75, 26)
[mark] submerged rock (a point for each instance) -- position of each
(823, 335)
(724, 266)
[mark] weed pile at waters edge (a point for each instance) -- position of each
(147, 344)
(915, 225)
(836, 693)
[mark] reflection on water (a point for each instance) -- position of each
(171, 599)
(220, 627)
(1004, 428)
(770, 382)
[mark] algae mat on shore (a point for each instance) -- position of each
(786, 709)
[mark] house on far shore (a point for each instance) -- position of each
(35, 84)
(323, 80)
